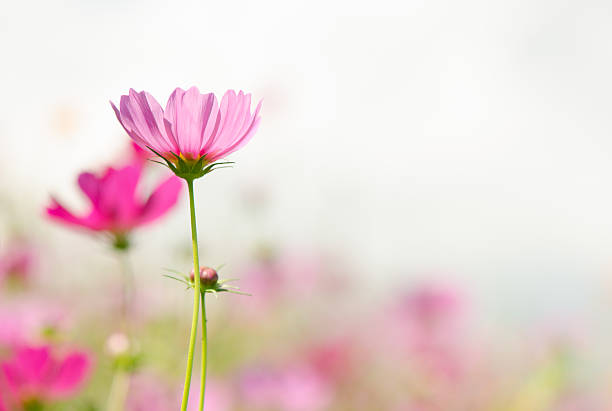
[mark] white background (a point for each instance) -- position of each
(469, 139)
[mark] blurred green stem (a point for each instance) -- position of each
(121, 379)
(196, 298)
(127, 291)
(204, 338)
(118, 391)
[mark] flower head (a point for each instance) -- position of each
(115, 205)
(36, 375)
(16, 262)
(193, 131)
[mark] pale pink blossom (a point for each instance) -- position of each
(30, 320)
(17, 261)
(219, 396)
(427, 326)
(293, 388)
(147, 392)
(192, 125)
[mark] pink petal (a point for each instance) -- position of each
(35, 363)
(244, 138)
(128, 125)
(12, 377)
(230, 106)
(189, 113)
(161, 200)
(118, 198)
(143, 117)
(93, 221)
(90, 185)
(71, 372)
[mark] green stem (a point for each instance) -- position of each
(127, 292)
(204, 354)
(196, 297)
(121, 379)
(118, 391)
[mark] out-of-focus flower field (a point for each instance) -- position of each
(311, 336)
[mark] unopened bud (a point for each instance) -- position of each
(208, 277)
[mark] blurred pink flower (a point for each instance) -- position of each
(116, 207)
(193, 125)
(149, 393)
(139, 155)
(427, 323)
(16, 262)
(295, 388)
(36, 374)
(430, 305)
(30, 320)
(288, 276)
(218, 397)
(333, 359)
(417, 406)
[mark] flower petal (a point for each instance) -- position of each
(143, 115)
(161, 200)
(93, 221)
(189, 113)
(244, 138)
(70, 374)
(118, 197)
(90, 185)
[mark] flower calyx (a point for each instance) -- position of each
(209, 281)
(189, 169)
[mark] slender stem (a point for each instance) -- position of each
(127, 293)
(121, 378)
(196, 297)
(118, 391)
(204, 354)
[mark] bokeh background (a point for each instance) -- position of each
(423, 217)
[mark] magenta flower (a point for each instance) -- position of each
(35, 376)
(116, 207)
(193, 127)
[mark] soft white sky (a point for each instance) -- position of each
(470, 138)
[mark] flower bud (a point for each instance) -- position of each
(208, 277)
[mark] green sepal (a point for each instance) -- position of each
(221, 286)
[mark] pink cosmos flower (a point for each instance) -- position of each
(192, 126)
(295, 388)
(116, 206)
(16, 262)
(428, 326)
(218, 397)
(36, 375)
(30, 320)
(150, 393)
